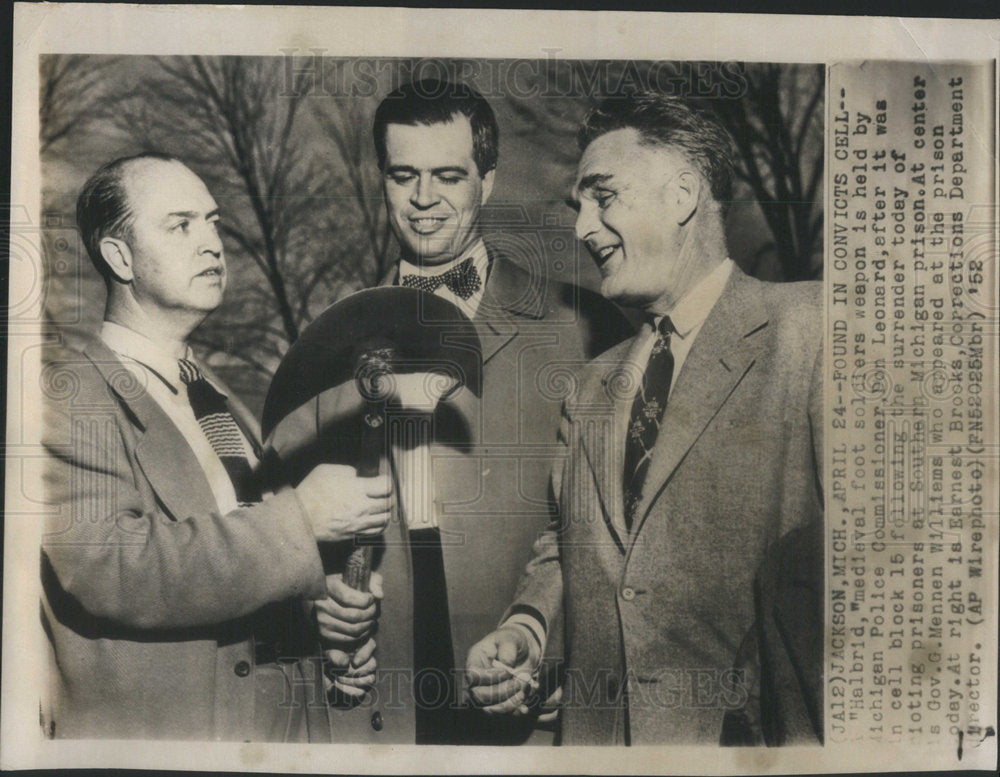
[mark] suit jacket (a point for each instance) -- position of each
(490, 461)
(150, 595)
(658, 618)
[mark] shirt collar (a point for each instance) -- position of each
(140, 349)
(694, 307)
(480, 260)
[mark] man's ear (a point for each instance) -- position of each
(487, 185)
(118, 256)
(686, 190)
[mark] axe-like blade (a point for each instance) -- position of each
(425, 333)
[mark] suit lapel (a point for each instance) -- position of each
(723, 353)
(172, 469)
(596, 418)
(166, 458)
(510, 293)
(494, 333)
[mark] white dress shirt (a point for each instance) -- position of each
(480, 261)
(414, 463)
(159, 373)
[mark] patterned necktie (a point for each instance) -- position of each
(463, 280)
(644, 422)
(223, 434)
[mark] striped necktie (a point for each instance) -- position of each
(644, 422)
(223, 434)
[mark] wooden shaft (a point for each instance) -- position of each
(358, 568)
(357, 571)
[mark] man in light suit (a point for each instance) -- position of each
(177, 602)
(686, 555)
(476, 497)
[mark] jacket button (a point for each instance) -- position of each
(377, 721)
(242, 668)
(628, 594)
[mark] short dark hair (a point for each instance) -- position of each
(432, 101)
(103, 209)
(692, 129)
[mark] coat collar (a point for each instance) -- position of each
(123, 384)
(514, 290)
(594, 412)
(166, 459)
(722, 354)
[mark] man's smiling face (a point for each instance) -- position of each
(433, 190)
(627, 216)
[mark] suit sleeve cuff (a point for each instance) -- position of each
(533, 623)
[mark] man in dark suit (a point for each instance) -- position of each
(475, 498)
(179, 600)
(684, 552)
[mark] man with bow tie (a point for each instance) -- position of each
(474, 495)
(437, 146)
(181, 600)
(686, 554)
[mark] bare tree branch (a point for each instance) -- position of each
(245, 131)
(71, 90)
(348, 127)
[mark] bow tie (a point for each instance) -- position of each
(462, 280)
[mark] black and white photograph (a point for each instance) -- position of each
(623, 411)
